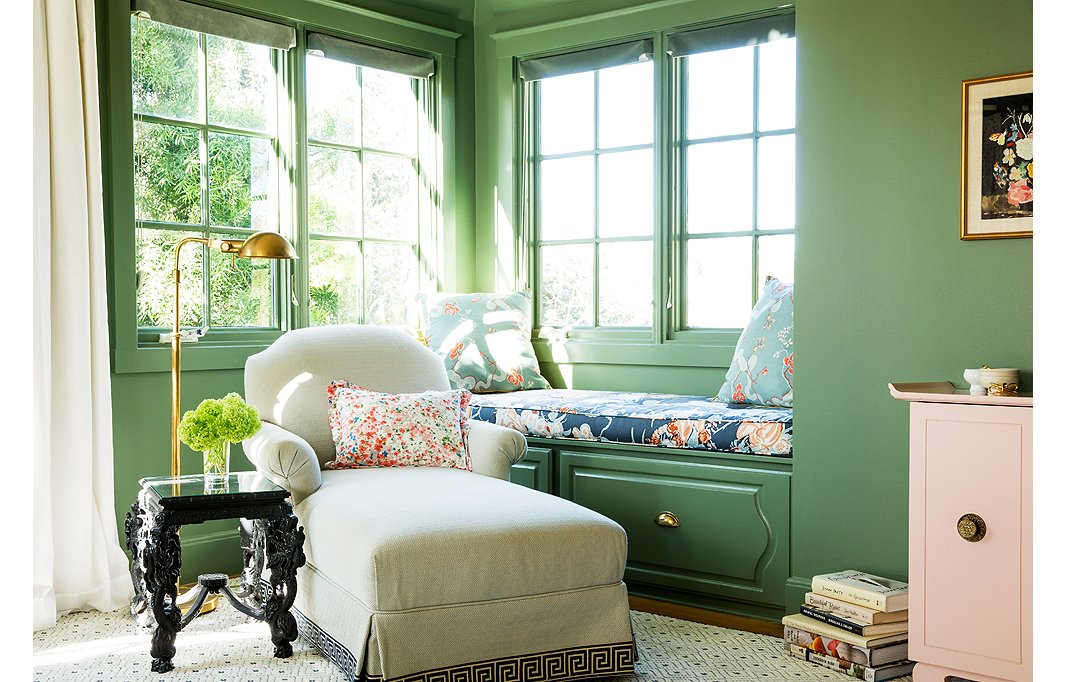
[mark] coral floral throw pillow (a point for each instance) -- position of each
(373, 429)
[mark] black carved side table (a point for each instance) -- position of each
(276, 542)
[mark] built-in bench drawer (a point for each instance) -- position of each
(732, 522)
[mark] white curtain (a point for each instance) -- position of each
(77, 561)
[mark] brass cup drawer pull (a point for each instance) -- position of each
(971, 527)
(667, 520)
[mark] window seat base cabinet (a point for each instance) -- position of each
(703, 530)
(970, 545)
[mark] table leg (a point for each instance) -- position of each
(253, 546)
(284, 554)
(162, 566)
(135, 542)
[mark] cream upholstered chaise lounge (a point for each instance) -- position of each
(421, 573)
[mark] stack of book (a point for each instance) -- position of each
(853, 622)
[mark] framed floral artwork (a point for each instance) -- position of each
(997, 157)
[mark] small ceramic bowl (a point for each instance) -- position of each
(999, 375)
(973, 378)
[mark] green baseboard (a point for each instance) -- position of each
(795, 587)
(700, 601)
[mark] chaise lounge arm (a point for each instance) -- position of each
(493, 448)
(286, 459)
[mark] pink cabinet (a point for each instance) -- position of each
(970, 564)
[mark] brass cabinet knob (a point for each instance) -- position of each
(667, 520)
(971, 527)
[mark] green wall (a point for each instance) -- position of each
(887, 290)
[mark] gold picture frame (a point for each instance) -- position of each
(997, 157)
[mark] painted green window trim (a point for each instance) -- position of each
(132, 351)
(667, 343)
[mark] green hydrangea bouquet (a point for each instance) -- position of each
(212, 426)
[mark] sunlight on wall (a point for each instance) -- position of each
(505, 246)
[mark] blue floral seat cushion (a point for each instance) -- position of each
(656, 419)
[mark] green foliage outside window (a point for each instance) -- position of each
(169, 172)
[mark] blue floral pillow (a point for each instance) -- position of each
(483, 340)
(761, 371)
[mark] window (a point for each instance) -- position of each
(205, 148)
(737, 149)
(363, 194)
(724, 217)
(332, 143)
(593, 161)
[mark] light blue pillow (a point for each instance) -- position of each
(483, 340)
(761, 371)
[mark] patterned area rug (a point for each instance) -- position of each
(224, 646)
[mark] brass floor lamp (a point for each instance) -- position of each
(259, 245)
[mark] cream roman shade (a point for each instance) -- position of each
(632, 52)
(216, 22)
(729, 36)
(370, 56)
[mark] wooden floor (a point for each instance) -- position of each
(724, 620)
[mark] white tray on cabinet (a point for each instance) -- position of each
(946, 392)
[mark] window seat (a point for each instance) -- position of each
(652, 419)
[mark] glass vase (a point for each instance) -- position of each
(216, 467)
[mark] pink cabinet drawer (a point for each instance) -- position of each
(970, 601)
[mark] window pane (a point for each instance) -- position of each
(777, 85)
(777, 182)
(240, 85)
(334, 189)
(566, 285)
(155, 291)
(626, 190)
(166, 173)
(240, 182)
(165, 70)
(334, 282)
(241, 291)
(566, 119)
(720, 93)
(625, 107)
(566, 196)
(718, 292)
(390, 198)
(719, 192)
(625, 284)
(776, 257)
(391, 283)
(390, 112)
(332, 100)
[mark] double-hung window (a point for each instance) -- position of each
(593, 174)
(666, 222)
(240, 124)
(735, 142)
(366, 117)
(207, 113)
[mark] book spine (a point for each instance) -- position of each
(830, 619)
(856, 595)
(855, 654)
(849, 669)
(857, 614)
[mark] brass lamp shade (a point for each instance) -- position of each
(267, 245)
